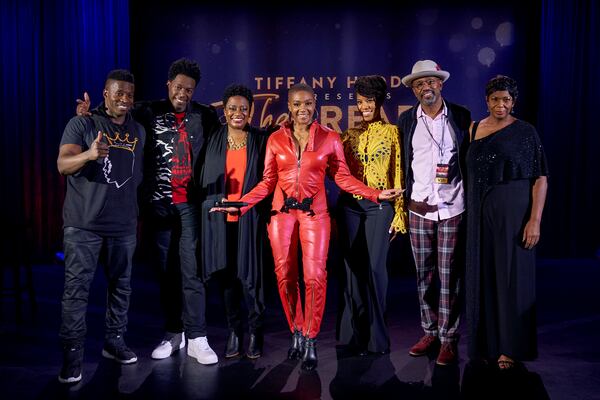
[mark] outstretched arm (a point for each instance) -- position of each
(344, 179)
(264, 188)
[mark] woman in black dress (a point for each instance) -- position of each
(505, 196)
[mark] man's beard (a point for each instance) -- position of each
(429, 101)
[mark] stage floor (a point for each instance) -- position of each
(568, 366)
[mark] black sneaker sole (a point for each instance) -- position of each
(106, 354)
(71, 379)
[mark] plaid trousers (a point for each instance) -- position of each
(434, 246)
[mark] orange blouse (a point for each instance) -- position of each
(235, 171)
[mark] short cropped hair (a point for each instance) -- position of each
(185, 67)
(238, 90)
(300, 87)
(500, 83)
(120, 75)
(371, 86)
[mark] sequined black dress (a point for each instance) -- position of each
(500, 274)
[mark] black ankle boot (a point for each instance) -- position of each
(255, 346)
(309, 358)
(297, 347)
(233, 345)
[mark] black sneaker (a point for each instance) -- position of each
(71, 368)
(116, 349)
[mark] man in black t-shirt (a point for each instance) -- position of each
(101, 155)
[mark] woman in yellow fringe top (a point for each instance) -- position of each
(373, 154)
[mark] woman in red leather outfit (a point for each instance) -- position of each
(297, 157)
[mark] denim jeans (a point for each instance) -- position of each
(183, 293)
(82, 250)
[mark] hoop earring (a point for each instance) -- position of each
(222, 119)
(316, 116)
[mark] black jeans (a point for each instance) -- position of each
(183, 294)
(233, 289)
(82, 250)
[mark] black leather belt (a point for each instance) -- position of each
(291, 203)
(421, 207)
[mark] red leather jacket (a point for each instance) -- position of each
(305, 177)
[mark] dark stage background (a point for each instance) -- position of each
(52, 52)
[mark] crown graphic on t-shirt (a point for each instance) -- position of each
(122, 143)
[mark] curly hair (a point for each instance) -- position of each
(371, 86)
(238, 90)
(185, 67)
(300, 87)
(120, 75)
(500, 83)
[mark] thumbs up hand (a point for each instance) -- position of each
(98, 148)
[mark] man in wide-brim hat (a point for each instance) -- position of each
(434, 136)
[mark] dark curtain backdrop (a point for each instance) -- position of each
(568, 122)
(51, 52)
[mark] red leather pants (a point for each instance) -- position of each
(313, 232)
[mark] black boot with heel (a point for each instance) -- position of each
(309, 358)
(297, 347)
(233, 345)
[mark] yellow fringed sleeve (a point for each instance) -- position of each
(399, 223)
(374, 156)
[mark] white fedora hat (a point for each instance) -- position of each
(425, 68)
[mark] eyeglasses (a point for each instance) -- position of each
(505, 99)
(429, 82)
(233, 109)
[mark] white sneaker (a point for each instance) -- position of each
(169, 346)
(201, 351)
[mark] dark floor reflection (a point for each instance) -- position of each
(445, 382)
(163, 380)
(187, 379)
(483, 380)
(371, 375)
(275, 379)
(271, 385)
(30, 359)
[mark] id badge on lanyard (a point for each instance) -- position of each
(441, 169)
(441, 173)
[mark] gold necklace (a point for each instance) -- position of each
(232, 145)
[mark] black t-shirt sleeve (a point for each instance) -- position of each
(74, 132)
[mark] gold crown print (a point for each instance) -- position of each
(119, 143)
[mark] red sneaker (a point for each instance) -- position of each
(448, 354)
(423, 346)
